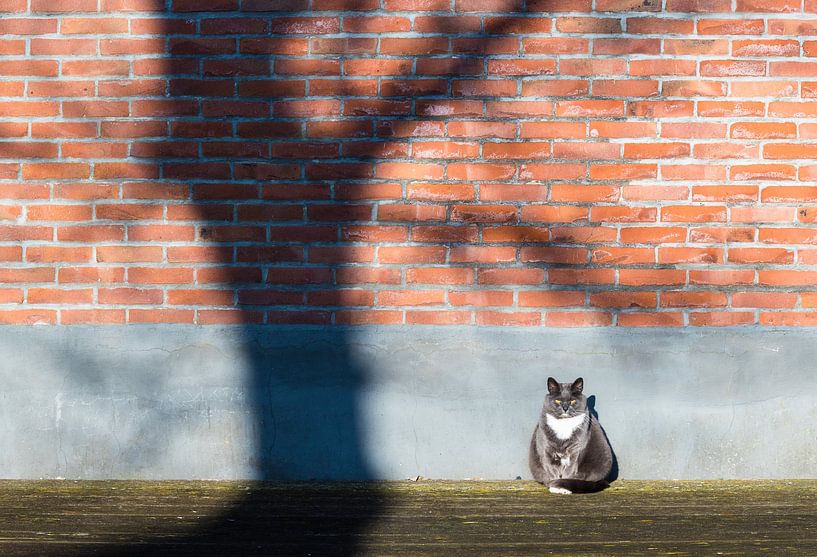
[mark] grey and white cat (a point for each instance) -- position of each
(569, 452)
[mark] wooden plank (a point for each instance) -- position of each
(62, 518)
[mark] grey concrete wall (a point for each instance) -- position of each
(393, 402)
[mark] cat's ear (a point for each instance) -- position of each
(577, 386)
(553, 386)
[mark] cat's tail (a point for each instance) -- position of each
(578, 486)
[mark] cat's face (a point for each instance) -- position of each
(565, 400)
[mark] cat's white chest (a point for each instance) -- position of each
(565, 427)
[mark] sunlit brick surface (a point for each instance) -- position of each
(557, 163)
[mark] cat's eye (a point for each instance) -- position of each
(572, 402)
(557, 401)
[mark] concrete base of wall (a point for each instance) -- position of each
(397, 402)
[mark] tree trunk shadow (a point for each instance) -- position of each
(313, 200)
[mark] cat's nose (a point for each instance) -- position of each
(565, 406)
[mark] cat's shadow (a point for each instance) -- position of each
(591, 406)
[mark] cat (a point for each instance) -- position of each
(569, 451)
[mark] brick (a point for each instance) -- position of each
(788, 318)
(448, 317)
(369, 317)
(59, 213)
(26, 275)
(54, 254)
(554, 88)
(792, 109)
(440, 192)
(510, 276)
(762, 299)
(787, 235)
(623, 214)
(581, 193)
(692, 299)
(762, 214)
(623, 256)
(554, 255)
(28, 316)
(662, 319)
(732, 194)
(521, 67)
(719, 234)
(28, 26)
(588, 25)
(491, 6)
(755, 48)
(720, 319)
(663, 67)
(656, 150)
(549, 130)
(514, 192)
(660, 109)
(764, 89)
(481, 298)
(721, 277)
(662, 25)
(440, 275)
(690, 256)
(160, 316)
(726, 151)
(160, 275)
(612, 129)
(414, 254)
(696, 46)
(591, 108)
(551, 298)
(11, 296)
(527, 150)
(128, 254)
(645, 277)
(59, 296)
(581, 276)
(693, 172)
(91, 275)
(624, 299)
(693, 213)
(554, 213)
(763, 172)
(482, 254)
(518, 319)
(11, 253)
(232, 316)
(763, 130)
(654, 193)
(578, 319)
(808, 299)
(684, 88)
(18, 233)
(623, 171)
(786, 278)
(128, 296)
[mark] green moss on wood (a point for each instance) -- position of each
(112, 518)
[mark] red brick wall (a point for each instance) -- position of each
(409, 161)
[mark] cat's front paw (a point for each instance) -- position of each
(560, 490)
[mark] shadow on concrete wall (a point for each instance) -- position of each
(591, 406)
